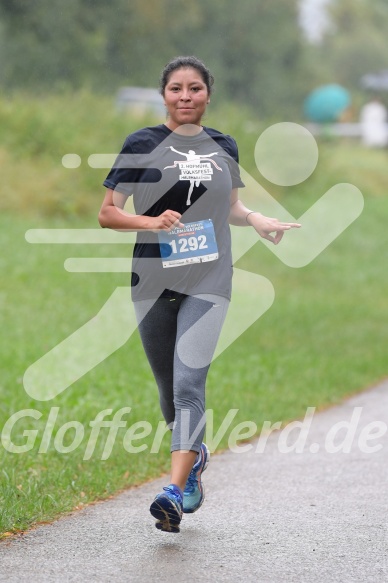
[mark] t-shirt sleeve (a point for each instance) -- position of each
(234, 164)
(124, 174)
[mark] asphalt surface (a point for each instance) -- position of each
(271, 517)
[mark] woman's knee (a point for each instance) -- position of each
(188, 394)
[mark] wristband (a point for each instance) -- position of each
(246, 218)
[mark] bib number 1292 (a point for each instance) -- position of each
(189, 244)
(193, 243)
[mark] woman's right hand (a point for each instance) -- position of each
(166, 221)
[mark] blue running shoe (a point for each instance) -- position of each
(194, 492)
(167, 509)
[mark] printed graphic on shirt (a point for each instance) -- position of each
(196, 168)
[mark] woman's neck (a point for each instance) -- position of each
(186, 129)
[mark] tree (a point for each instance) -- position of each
(255, 49)
(47, 42)
(356, 42)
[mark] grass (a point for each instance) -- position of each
(322, 340)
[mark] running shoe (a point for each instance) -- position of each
(194, 492)
(167, 509)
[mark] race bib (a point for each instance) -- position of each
(194, 243)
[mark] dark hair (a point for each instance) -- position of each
(186, 63)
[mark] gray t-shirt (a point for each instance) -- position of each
(193, 175)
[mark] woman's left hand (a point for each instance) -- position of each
(266, 225)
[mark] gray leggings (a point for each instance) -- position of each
(179, 335)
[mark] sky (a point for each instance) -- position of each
(313, 18)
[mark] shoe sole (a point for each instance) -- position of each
(168, 518)
(192, 510)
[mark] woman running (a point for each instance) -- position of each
(184, 179)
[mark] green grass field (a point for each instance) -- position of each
(323, 339)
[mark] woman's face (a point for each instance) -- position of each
(185, 97)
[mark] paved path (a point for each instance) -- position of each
(284, 517)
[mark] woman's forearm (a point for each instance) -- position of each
(113, 217)
(238, 214)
